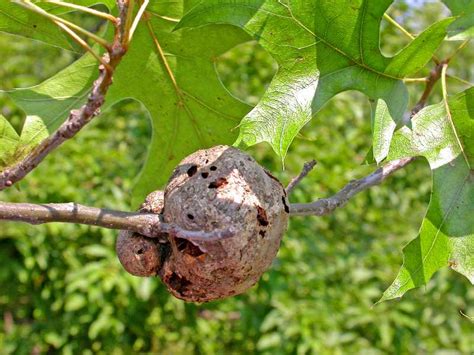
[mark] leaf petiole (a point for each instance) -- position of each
(85, 9)
(459, 79)
(84, 45)
(405, 32)
(397, 25)
(134, 25)
(444, 89)
(415, 80)
(30, 6)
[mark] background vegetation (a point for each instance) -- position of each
(62, 288)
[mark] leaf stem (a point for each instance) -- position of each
(444, 89)
(134, 25)
(415, 80)
(83, 44)
(459, 79)
(85, 9)
(461, 46)
(29, 5)
(397, 25)
(128, 21)
(405, 32)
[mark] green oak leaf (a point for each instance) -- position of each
(172, 74)
(178, 85)
(8, 141)
(323, 47)
(48, 104)
(463, 27)
(446, 237)
(16, 20)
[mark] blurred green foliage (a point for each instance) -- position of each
(62, 288)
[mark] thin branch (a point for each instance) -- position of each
(431, 81)
(307, 167)
(85, 9)
(328, 205)
(77, 119)
(147, 224)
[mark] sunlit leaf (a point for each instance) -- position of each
(446, 236)
(323, 47)
(463, 27)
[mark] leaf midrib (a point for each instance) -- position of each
(435, 239)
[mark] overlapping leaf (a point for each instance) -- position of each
(8, 141)
(171, 74)
(463, 27)
(446, 236)
(16, 20)
(48, 104)
(322, 47)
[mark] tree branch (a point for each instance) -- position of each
(148, 224)
(328, 205)
(77, 118)
(307, 167)
(431, 81)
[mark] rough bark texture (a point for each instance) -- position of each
(219, 188)
(139, 255)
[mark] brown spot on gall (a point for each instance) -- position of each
(262, 216)
(218, 183)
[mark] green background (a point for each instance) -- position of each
(62, 288)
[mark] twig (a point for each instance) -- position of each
(307, 167)
(147, 224)
(77, 118)
(431, 81)
(328, 205)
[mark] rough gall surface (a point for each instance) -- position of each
(139, 255)
(222, 188)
